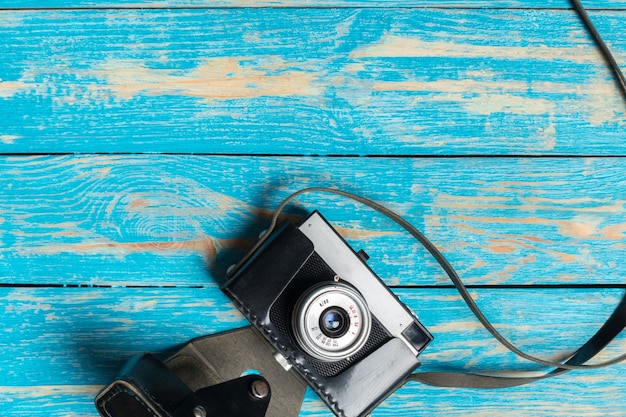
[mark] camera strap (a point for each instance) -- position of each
(577, 360)
(611, 328)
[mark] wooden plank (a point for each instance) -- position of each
(532, 4)
(309, 81)
(182, 220)
(60, 345)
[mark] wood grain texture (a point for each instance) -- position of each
(144, 146)
(159, 4)
(309, 81)
(71, 341)
(181, 220)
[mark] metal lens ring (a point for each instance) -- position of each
(331, 322)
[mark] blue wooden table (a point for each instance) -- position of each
(144, 146)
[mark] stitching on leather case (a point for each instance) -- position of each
(119, 388)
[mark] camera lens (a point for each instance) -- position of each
(334, 322)
(331, 322)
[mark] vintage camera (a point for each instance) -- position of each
(320, 318)
(328, 316)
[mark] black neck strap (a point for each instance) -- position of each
(611, 328)
(577, 360)
(606, 52)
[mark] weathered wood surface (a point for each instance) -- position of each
(514, 221)
(309, 81)
(160, 4)
(65, 343)
(105, 255)
(157, 220)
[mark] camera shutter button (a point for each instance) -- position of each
(363, 255)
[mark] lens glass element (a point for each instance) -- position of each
(334, 322)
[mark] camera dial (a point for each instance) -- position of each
(331, 321)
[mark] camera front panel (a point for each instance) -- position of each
(300, 265)
(315, 273)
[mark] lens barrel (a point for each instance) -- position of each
(331, 321)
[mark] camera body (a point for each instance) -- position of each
(328, 316)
